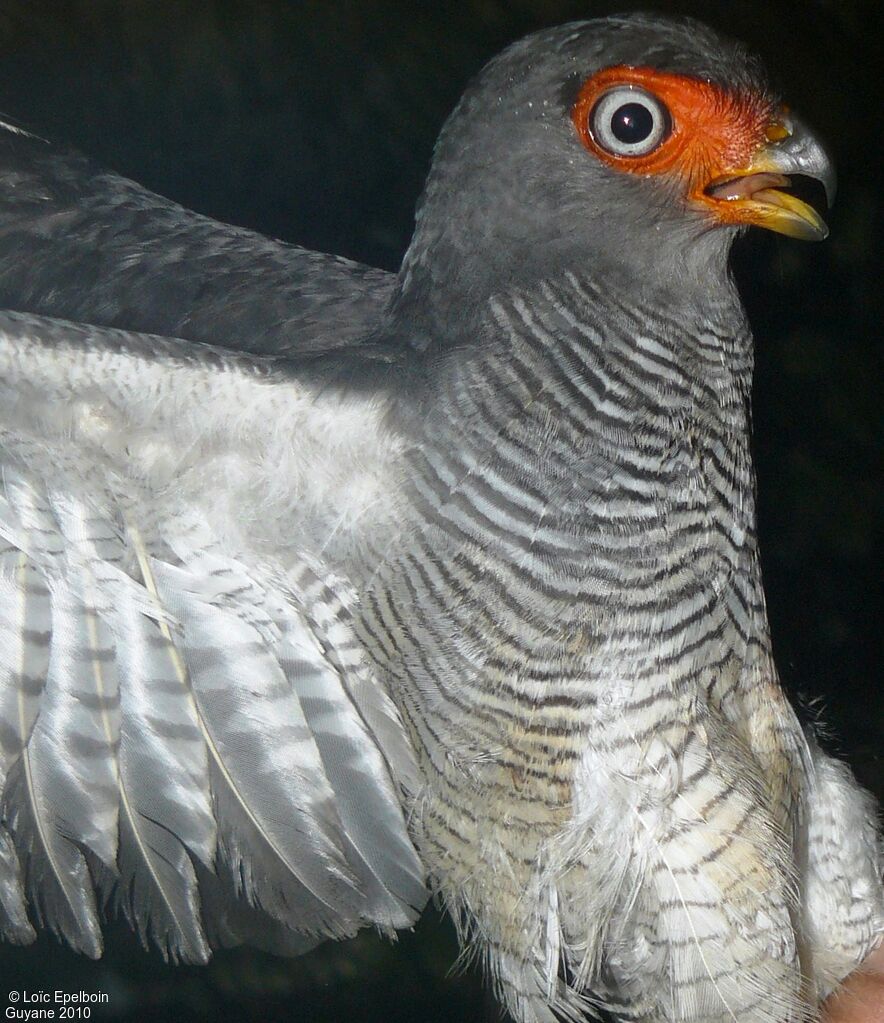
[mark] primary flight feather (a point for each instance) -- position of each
(323, 588)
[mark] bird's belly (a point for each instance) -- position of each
(583, 729)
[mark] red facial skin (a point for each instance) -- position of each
(715, 135)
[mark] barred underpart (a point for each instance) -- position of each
(616, 790)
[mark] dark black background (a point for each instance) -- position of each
(315, 122)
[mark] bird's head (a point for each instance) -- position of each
(636, 142)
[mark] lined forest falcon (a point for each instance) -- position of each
(352, 587)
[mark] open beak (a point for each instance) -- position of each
(758, 194)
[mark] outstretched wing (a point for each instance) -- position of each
(188, 725)
(102, 249)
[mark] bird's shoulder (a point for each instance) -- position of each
(103, 249)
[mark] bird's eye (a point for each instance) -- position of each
(628, 121)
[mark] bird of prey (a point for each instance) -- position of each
(323, 589)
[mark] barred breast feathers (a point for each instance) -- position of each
(614, 777)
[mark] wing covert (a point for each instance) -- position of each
(105, 250)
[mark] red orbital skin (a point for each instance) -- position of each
(714, 133)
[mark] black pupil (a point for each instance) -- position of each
(632, 123)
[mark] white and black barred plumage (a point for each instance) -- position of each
(444, 582)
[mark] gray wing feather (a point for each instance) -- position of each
(326, 678)
(25, 628)
(49, 801)
(165, 809)
(230, 923)
(24, 637)
(267, 780)
(175, 704)
(102, 249)
(14, 923)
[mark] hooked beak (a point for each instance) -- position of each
(755, 194)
